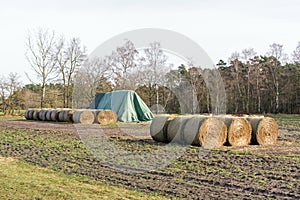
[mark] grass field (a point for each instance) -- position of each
(47, 160)
(20, 180)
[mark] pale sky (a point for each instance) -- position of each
(220, 27)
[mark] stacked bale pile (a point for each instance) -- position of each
(83, 116)
(213, 132)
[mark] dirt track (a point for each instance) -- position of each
(251, 172)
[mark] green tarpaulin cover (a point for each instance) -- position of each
(127, 104)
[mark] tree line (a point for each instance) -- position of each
(66, 78)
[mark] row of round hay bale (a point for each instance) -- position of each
(264, 130)
(211, 132)
(208, 132)
(37, 114)
(84, 116)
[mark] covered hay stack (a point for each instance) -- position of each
(83, 117)
(175, 130)
(264, 130)
(212, 133)
(191, 130)
(105, 117)
(159, 128)
(239, 131)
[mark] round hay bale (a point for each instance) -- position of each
(54, 115)
(26, 114)
(83, 117)
(62, 115)
(95, 111)
(175, 130)
(105, 117)
(48, 115)
(212, 133)
(264, 130)
(30, 114)
(191, 130)
(42, 114)
(35, 115)
(239, 132)
(159, 128)
(65, 115)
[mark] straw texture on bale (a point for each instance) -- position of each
(212, 133)
(239, 132)
(191, 130)
(105, 117)
(83, 117)
(264, 130)
(175, 130)
(159, 128)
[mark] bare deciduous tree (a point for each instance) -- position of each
(9, 90)
(234, 60)
(94, 72)
(41, 57)
(154, 68)
(276, 51)
(70, 57)
(248, 54)
(296, 54)
(122, 61)
(3, 88)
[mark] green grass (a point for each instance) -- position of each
(20, 180)
(11, 118)
(285, 121)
